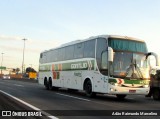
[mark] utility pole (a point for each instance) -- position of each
(2, 62)
(31, 65)
(23, 55)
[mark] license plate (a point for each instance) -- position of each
(132, 91)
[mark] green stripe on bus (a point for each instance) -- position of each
(79, 65)
(126, 81)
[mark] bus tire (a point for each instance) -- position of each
(55, 88)
(121, 96)
(46, 84)
(50, 84)
(156, 94)
(88, 89)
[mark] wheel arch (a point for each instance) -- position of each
(50, 79)
(86, 79)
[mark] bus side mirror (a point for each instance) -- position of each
(155, 55)
(110, 54)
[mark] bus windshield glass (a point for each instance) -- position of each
(130, 65)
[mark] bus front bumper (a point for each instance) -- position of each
(112, 89)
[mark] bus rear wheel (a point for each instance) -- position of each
(88, 89)
(46, 84)
(50, 84)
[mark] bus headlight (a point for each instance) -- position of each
(115, 84)
(113, 90)
(145, 86)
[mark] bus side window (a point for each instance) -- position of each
(40, 59)
(78, 50)
(69, 52)
(89, 49)
(61, 54)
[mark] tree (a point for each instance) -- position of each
(13, 70)
(30, 69)
(17, 70)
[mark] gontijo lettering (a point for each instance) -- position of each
(79, 66)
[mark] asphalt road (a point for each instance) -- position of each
(66, 104)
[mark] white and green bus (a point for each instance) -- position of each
(108, 64)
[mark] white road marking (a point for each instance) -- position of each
(73, 97)
(29, 105)
(18, 85)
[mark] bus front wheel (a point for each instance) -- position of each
(88, 89)
(156, 94)
(121, 96)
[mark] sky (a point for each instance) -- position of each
(49, 23)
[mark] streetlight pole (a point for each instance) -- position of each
(23, 54)
(31, 65)
(2, 62)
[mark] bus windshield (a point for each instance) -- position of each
(130, 65)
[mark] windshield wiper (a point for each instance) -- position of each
(133, 67)
(138, 70)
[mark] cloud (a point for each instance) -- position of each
(7, 48)
(30, 40)
(9, 38)
(45, 42)
(18, 50)
(12, 45)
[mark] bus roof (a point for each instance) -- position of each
(95, 37)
